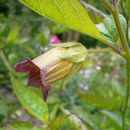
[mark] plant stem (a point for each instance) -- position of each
(114, 12)
(127, 96)
(2, 56)
(100, 50)
(109, 44)
(120, 31)
(108, 5)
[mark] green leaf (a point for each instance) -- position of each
(115, 119)
(119, 88)
(43, 37)
(56, 123)
(96, 15)
(108, 28)
(101, 102)
(66, 12)
(88, 125)
(53, 100)
(4, 108)
(13, 35)
(54, 111)
(21, 40)
(20, 126)
(74, 121)
(31, 101)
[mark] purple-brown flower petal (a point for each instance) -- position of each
(25, 66)
(34, 79)
(45, 90)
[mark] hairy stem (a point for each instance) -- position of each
(100, 50)
(2, 56)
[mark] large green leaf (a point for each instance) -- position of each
(30, 100)
(101, 102)
(66, 12)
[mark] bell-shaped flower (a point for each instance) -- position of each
(61, 62)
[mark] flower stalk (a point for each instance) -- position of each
(100, 50)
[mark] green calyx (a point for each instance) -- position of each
(75, 52)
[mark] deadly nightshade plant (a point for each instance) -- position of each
(61, 62)
(73, 15)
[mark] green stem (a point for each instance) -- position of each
(120, 31)
(109, 44)
(114, 12)
(127, 96)
(2, 56)
(100, 50)
(108, 5)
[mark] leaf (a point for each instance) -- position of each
(116, 119)
(66, 12)
(74, 121)
(43, 38)
(88, 125)
(120, 89)
(31, 101)
(13, 35)
(108, 28)
(21, 40)
(54, 111)
(96, 15)
(53, 100)
(20, 126)
(56, 123)
(101, 102)
(4, 108)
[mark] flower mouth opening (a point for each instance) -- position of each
(36, 77)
